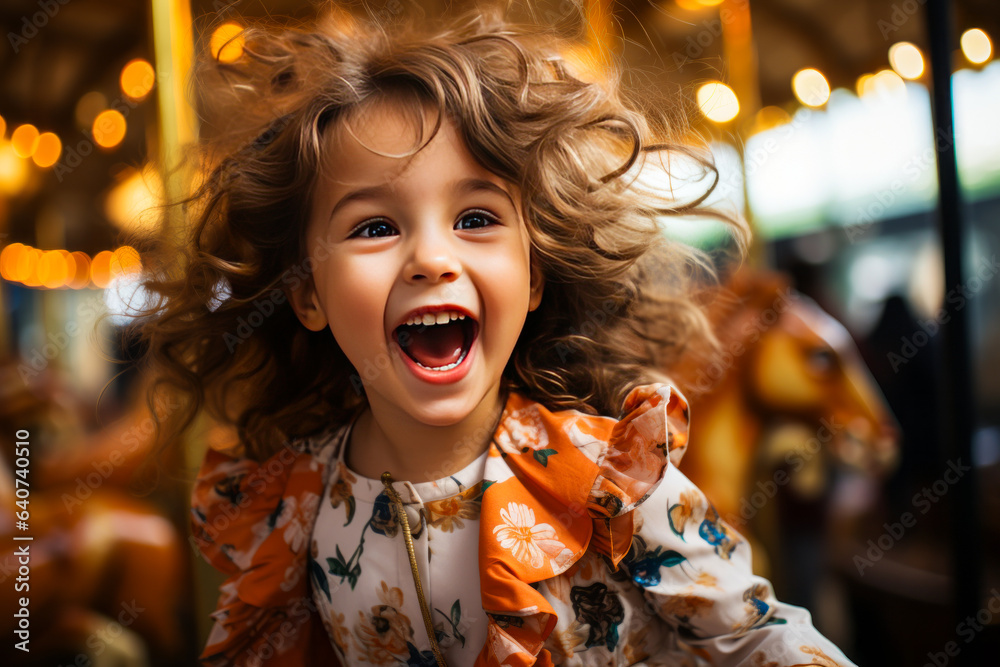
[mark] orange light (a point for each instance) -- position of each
(48, 150)
(137, 79)
(125, 260)
(81, 277)
(109, 128)
(100, 269)
(3, 127)
(8, 260)
(52, 269)
(227, 42)
(24, 140)
(27, 266)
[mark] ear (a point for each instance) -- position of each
(537, 287)
(305, 303)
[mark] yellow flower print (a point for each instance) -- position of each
(448, 513)
(530, 544)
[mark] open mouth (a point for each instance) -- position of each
(437, 341)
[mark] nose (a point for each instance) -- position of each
(432, 259)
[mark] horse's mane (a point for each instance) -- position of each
(737, 310)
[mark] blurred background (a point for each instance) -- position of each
(852, 440)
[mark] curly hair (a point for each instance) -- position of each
(618, 302)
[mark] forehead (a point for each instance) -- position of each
(386, 139)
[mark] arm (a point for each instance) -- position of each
(695, 572)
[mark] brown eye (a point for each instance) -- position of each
(476, 220)
(374, 229)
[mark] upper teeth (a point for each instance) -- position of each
(442, 317)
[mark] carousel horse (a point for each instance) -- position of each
(785, 402)
(107, 579)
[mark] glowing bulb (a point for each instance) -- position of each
(811, 87)
(25, 140)
(976, 46)
(52, 269)
(8, 260)
(100, 269)
(137, 79)
(109, 128)
(48, 150)
(124, 260)
(81, 276)
(227, 42)
(907, 60)
(718, 102)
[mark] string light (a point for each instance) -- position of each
(109, 128)
(907, 60)
(24, 139)
(811, 87)
(976, 46)
(718, 102)
(54, 269)
(226, 43)
(137, 79)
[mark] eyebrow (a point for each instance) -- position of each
(464, 186)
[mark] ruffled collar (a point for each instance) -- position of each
(576, 479)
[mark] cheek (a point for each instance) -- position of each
(354, 298)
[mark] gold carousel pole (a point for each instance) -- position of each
(173, 47)
(741, 61)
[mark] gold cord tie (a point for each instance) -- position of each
(424, 609)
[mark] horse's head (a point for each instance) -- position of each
(807, 368)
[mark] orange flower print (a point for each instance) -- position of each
(336, 628)
(530, 544)
(342, 491)
(679, 513)
(447, 513)
(384, 633)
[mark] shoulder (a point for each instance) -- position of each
(237, 503)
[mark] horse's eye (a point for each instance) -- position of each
(822, 359)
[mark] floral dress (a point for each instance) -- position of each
(574, 540)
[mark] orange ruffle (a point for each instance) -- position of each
(561, 502)
(244, 520)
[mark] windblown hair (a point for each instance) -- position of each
(618, 304)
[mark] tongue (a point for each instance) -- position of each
(437, 345)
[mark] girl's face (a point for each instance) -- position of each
(420, 267)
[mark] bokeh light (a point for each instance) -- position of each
(907, 60)
(718, 102)
(124, 260)
(769, 118)
(52, 269)
(3, 127)
(87, 108)
(48, 150)
(81, 277)
(100, 269)
(227, 42)
(811, 87)
(109, 128)
(137, 79)
(13, 170)
(976, 46)
(883, 82)
(24, 139)
(8, 260)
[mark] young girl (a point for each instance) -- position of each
(426, 289)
